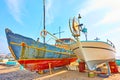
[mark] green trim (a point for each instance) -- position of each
(94, 41)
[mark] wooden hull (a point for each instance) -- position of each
(42, 64)
(34, 55)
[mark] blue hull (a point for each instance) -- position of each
(33, 49)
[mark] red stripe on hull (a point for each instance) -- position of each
(41, 64)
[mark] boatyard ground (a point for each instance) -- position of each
(14, 73)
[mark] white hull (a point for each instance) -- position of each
(93, 52)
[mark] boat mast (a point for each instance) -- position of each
(44, 19)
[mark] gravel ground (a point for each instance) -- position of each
(14, 73)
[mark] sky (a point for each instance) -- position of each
(25, 17)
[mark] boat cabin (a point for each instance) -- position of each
(64, 43)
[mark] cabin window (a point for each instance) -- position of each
(58, 42)
(67, 41)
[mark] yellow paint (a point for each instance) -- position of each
(43, 49)
(66, 47)
(75, 26)
(12, 52)
(40, 72)
(15, 43)
(44, 59)
(23, 50)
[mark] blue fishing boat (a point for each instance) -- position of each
(34, 55)
(37, 56)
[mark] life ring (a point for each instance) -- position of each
(103, 75)
(43, 33)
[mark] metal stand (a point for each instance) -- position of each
(109, 71)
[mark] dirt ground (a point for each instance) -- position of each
(14, 73)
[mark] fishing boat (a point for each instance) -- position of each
(36, 56)
(97, 52)
(93, 52)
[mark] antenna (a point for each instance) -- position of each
(44, 19)
(59, 32)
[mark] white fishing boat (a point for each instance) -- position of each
(91, 52)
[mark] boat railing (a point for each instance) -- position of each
(109, 42)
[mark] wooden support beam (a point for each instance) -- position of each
(50, 68)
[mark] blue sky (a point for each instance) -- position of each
(25, 17)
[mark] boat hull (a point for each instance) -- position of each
(97, 53)
(94, 52)
(42, 64)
